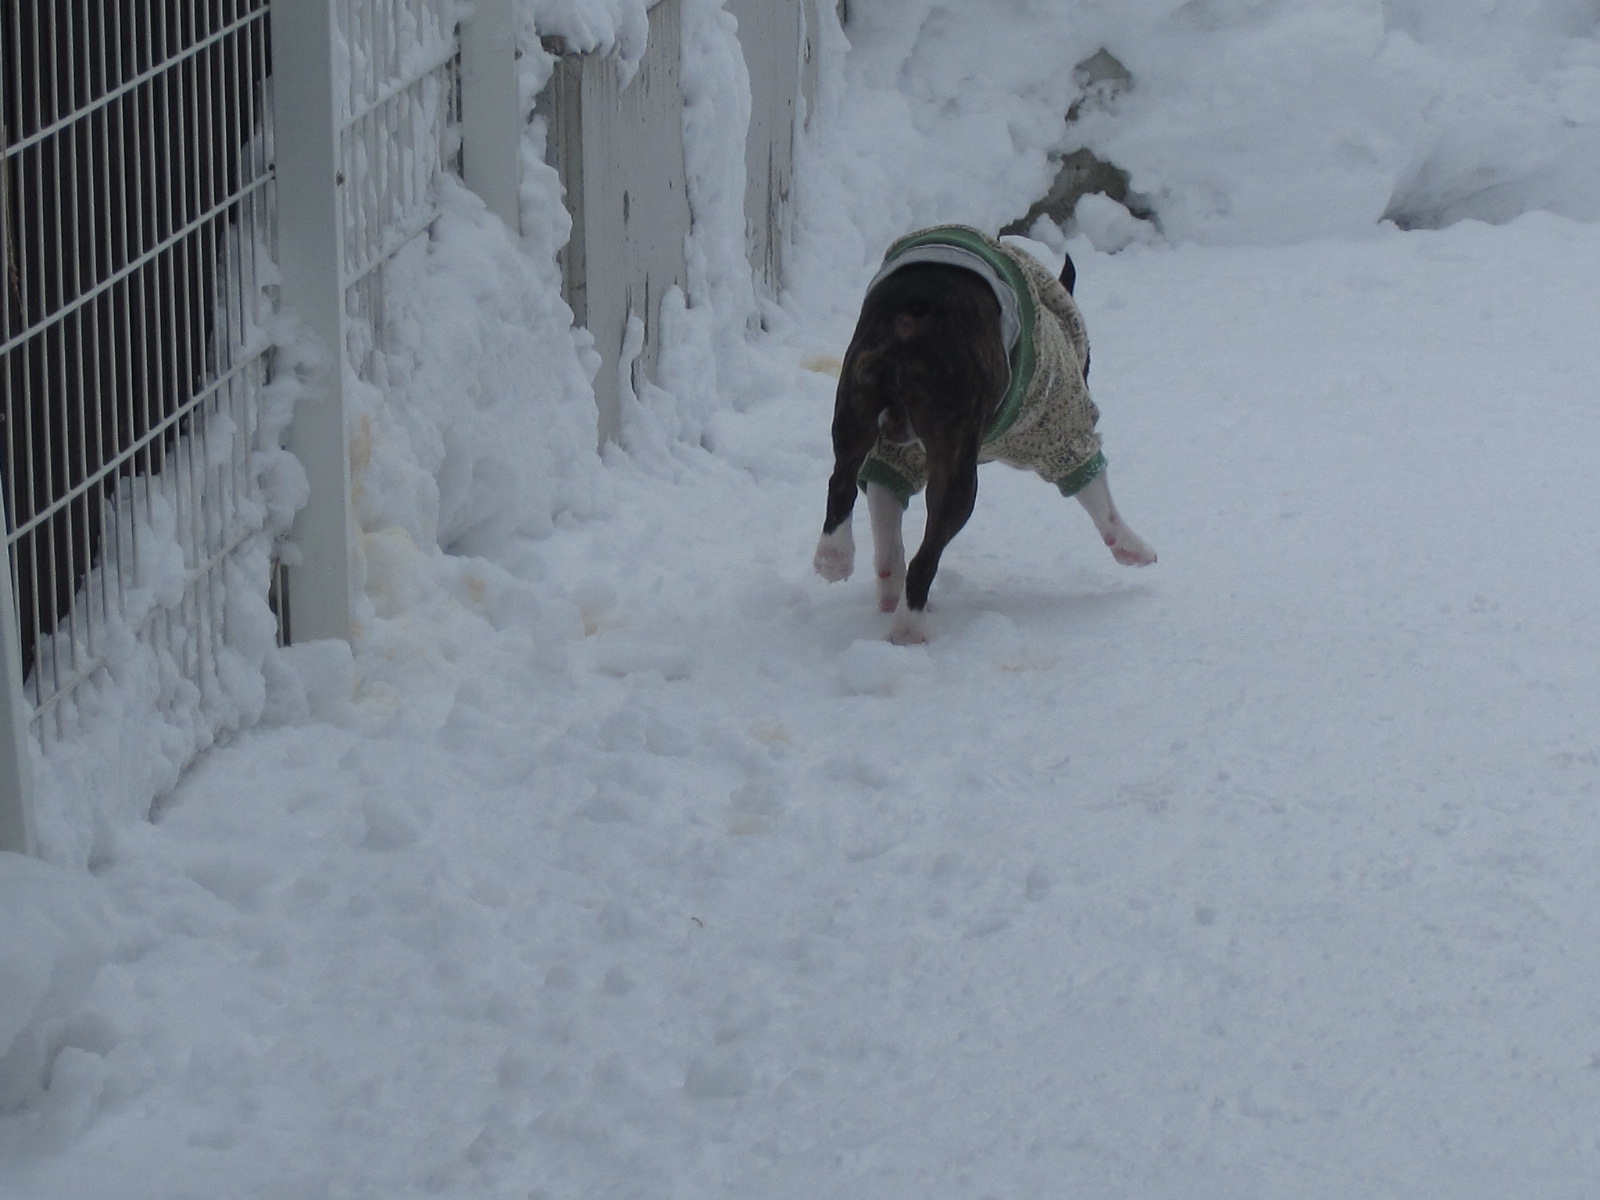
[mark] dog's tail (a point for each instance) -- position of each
(921, 311)
(926, 330)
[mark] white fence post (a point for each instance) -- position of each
(306, 122)
(16, 769)
(491, 111)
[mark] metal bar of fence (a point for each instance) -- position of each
(491, 117)
(310, 252)
(16, 781)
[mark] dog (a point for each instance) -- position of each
(967, 350)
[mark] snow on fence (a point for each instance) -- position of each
(156, 157)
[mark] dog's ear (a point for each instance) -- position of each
(1069, 273)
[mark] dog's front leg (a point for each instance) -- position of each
(1126, 546)
(888, 550)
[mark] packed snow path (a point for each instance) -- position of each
(651, 870)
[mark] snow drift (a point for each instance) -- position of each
(1248, 121)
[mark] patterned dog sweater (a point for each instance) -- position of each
(1046, 420)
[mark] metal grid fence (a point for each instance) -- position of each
(134, 207)
(140, 205)
(154, 156)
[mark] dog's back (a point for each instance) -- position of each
(927, 356)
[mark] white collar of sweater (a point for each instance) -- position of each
(957, 256)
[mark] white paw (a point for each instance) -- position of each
(908, 628)
(836, 555)
(1129, 549)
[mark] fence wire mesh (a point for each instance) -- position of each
(399, 98)
(134, 215)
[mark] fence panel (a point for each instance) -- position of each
(143, 188)
(772, 37)
(134, 214)
(138, 208)
(619, 152)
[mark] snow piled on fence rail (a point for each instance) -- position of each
(620, 856)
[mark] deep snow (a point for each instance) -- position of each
(622, 856)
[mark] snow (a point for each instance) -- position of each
(1246, 122)
(621, 856)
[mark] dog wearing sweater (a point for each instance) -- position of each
(967, 351)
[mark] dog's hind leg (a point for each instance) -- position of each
(1126, 546)
(853, 439)
(952, 492)
(888, 549)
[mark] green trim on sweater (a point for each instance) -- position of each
(1023, 355)
(1083, 476)
(885, 476)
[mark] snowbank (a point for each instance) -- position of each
(483, 424)
(58, 935)
(1265, 122)
(1288, 120)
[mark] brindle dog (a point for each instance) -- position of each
(927, 363)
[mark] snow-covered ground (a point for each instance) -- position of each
(623, 856)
